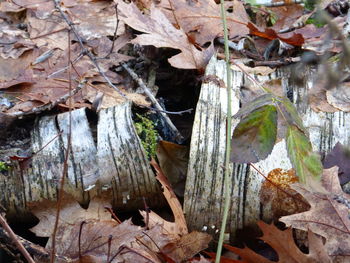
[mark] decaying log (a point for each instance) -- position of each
(112, 161)
(204, 196)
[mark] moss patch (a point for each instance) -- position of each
(145, 129)
(3, 167)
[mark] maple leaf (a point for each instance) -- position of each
(328, 216)
(283, 243)
(159, 32)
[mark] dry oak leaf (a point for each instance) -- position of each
(71, 213)
(202, 19)
(187, 246)
(172, 200)
(328, 216)
(159, 32)
(283, 243)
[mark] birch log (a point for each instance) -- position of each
(204, 196)
(113, 163)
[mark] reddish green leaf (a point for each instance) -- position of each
(255, 135)
(266, 99)
(306, 163)
(290, 114)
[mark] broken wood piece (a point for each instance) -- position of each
(204, 197)
(110, 162)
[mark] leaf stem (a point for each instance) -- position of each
(228, 137)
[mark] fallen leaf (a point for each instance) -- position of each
(289, 38)
(158, 31)
(173, 160)
(276, 192)
(202, 19)
(328, 216)
(172, 200)
(71, 213)
(187, 246)
(339, 97)
(283, 243)
(339, 156)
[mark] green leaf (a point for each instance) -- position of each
(290, 113)
(306, 163)
(255, 135)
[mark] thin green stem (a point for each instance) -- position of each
(228, 138)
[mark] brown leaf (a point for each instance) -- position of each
(339, 97)
(283, 243)
(188, 246)
(71, 213)
(328, 216)
(159, 32)
(173, 160)
(202, 19)
(277, 193)
(94, 241)
(172, 200)
(292, 39)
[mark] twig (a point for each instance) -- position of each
(15, 240)
(284, 3)
(63, 69)
(34, 249)
(65, 164)
(273, 63)
(244, 52)
(178, 136)
(85, 51)
(115, 31)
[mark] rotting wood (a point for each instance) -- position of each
(204, 185)
(113, 164)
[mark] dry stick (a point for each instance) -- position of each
(284, 3)
(15, 240)
(115, 30)
(65, 164)
(178, 136)
(34, 249)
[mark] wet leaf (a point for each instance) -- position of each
(306, 163)
(255, 135)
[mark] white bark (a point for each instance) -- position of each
(116, 165)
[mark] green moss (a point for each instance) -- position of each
(3, 167)
(145, 129)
